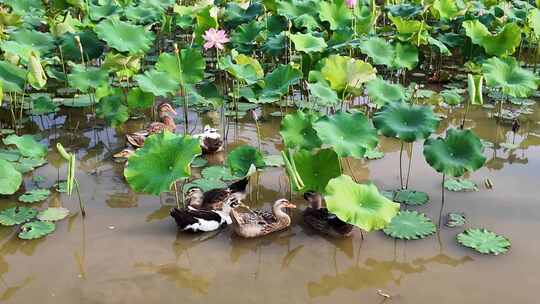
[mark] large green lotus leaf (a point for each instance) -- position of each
(85, 78)
(308, 43)
(53, 214)
(92, 46)
(316, 169)
(459, 152)
(43, 104)
(349, 134)
(451, 97)
(22, 7)
(245, 70)
(137, 99)
(366, 17)
(242, 158)
(408, 27)
(484, 241)
(204, 184)
(359, 204)
(124, 66)
(27, 145)
(447, 9)
(113, 110)
(43, 42)
(10, 178)
(379, 50)
(235, 15)
(383, 92)
(297, 131)
(405, 10)
(164, 159)
(406, 121)
(12, 77)
(124, 36)
(336, 13)
(344, 72)
(410, 225)
(324, 95)
(406, 56)
(503, 43)
(17, 215)
(18, 49)
(507, 75)
(35, 195)
(191, 64)
(36, 230)
(534, 21)
(293, 9)
(157, 83)
(275, 45)
(218, 172)
(277, 82)
(244, 38)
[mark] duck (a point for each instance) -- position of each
(195, 220)
(254, 224)
(210, 140)
(137, 139)
(323, 221)
(215, 198)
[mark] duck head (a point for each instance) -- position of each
(283, 203)
(124, 154)
(314, 199)
(165, 108)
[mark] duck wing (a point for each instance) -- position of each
(156, 127)
(317, 219)
(136, 139)
(211, 145)
(195, 220)
(215, 198)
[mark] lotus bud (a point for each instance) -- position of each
(254, 115)
(176, 51)
(351, 3)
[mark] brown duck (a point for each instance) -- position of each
(137, 139)
(215, 198)
(321, 220)
(251, 224)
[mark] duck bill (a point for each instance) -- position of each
(292, 206)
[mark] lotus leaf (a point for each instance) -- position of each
(10, 178)
(359, 204)
(78, 101)
(278, 81)
(157, 83)
(316, 169)
(451, 97)
(379, 50)
(43, 104)
(454, 219)
(460, 184)
(241, 159)
(11, 155)
(297, 131)
(410, 225)
(374, 154)
(16, 215)
(42, 42)
(245, 70)
(459, 152)
(27, 145)
(336, 13)
(324, 94)
(274, 45)
(164, 159)
(137, 99)
(484, 241)
(382, 92)
(113, 110)
(205, 184)
(53, 214)
(447, 9)
(344, 72)
(349, 134)
(308, 43)
(92, 46)
(274, 160)
(12, 77)
(35, 195)
(85, 78)
(405, 121)
(534, 21)
(188, 68)
(218, 172)
(123, 36)
(244, 37)
(501, 44)
(36, 230)
(507, 75)
(411, 197)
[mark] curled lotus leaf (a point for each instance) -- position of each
(346, 73)
(507, 75)
(297, 130)
(349, 134)
(308, 43)
(219, 173)
(165, 158)
(484, 241)
(410, 225)
(502, 43)
(459, 152)
(361, 205)
(35, 195)
(36, 230)
(17, 215)
(10, 178)
(406, 121)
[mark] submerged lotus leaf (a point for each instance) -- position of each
(454, 219)
(17, 215)
(382, 91)
(343, 72)
(507, 75)
(502, 43)
(379, 50)
(113, 110)
(35, 195)
(361, 205)
(242, 158)
(411, 197)
(460, 184)
(205, 184)
(10, 178)
(164, 159)
(316, 169)
(349, 134)
(218, 172)
(410, 225)
(36, 230)
(484, 241)
(157, 82)
(27, 145)
(85, 78)
(459, 152)
(53, 214)
(308, 43)
(297, 131)
(124, 36)
(408, 122)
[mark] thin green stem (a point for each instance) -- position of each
(400, 166)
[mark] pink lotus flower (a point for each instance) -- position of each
(351, 3)
(215, 39)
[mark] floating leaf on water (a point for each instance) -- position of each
(10, 178)
(10, 155)
(460, 184)
(61, 186)
(199, 162)
(484, 241)
(455, 219)
(219, 173)
(274, 160)
(277, 114)
(374, 154)
(16, 215)
(411, 197)
(36, 230)
(27, 145)
(410, 225)
(35, 195)
(205, 184)
(53, 214)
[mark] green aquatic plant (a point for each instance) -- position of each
(71, 180)
(244, 160)
(502, 43)
(218, 173)
(17, 215)
(347, 75)
(383, 92)
(36, 230)
(35, 195)
(124, 36)
(454, 219)
(484, 241)
(53, 214)
(297, 131)
(506, 75)
(316, 168)
(410, 197)
(308, 43)
(10, 178)
(27, 145)
(205, 184)
(460, 184)
(410, 225)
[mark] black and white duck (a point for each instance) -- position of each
(317, 216)
(210, 140)
(197, 220)
(214, 199)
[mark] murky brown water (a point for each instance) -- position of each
(127, 250)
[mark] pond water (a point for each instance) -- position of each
(127, 249)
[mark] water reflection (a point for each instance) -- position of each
(182, 277)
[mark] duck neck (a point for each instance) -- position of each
(168, 121)
(281, 216)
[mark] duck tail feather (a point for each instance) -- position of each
(239, 186)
